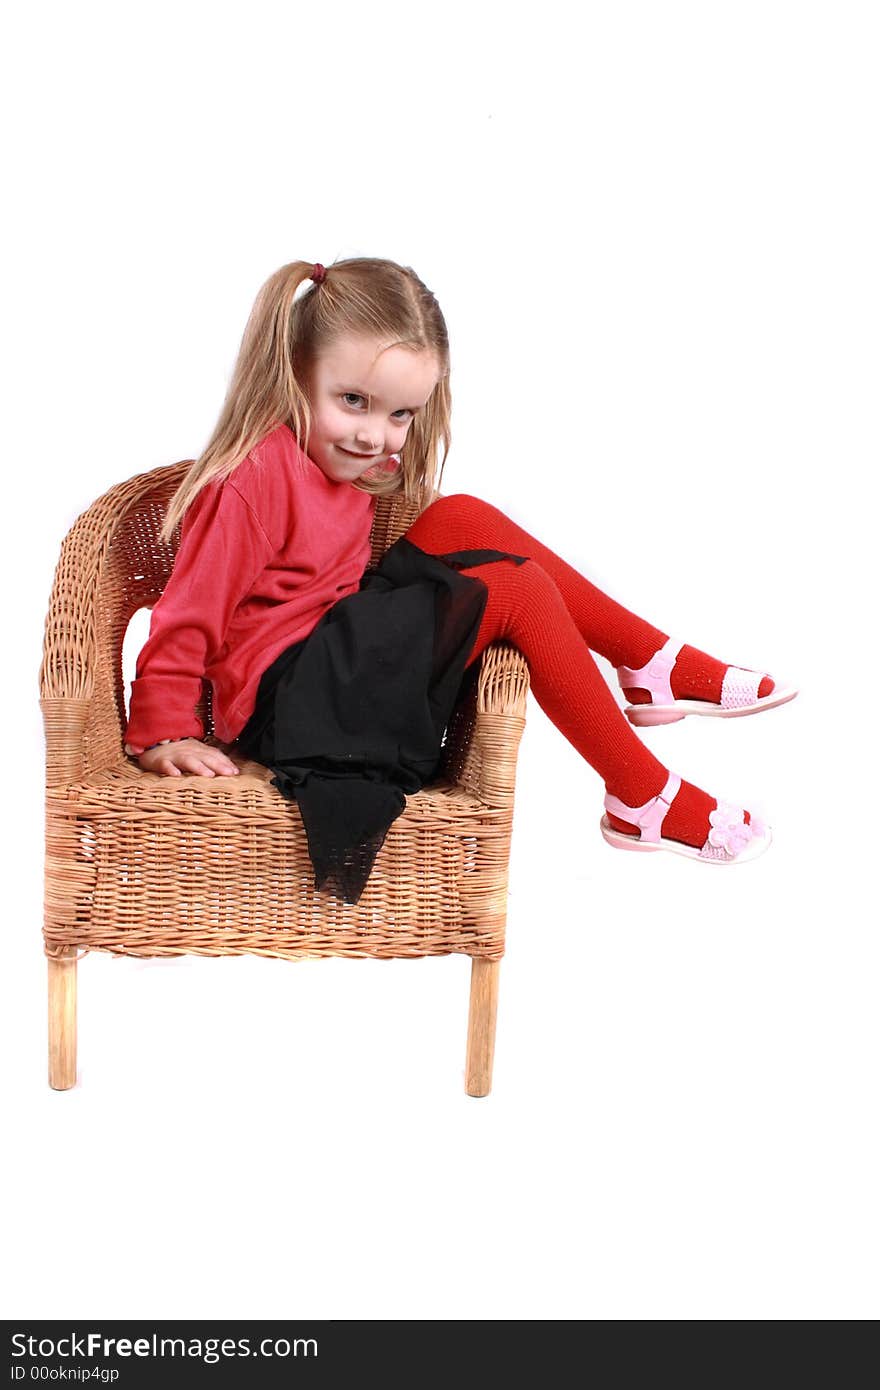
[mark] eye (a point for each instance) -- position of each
(349, 396)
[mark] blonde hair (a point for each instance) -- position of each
(359, 297)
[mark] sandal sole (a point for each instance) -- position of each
(618, 840)
(646, 715)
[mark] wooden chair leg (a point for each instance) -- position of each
(62, 1020)
(481, 1026)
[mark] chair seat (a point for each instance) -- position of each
(137, 858)
(125, 787)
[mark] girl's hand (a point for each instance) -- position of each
(175, 757)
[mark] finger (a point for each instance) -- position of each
(196, 765)
(192, 765)
(223, 766)
(167, 768)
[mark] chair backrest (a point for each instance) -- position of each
(114, 563)
(145, 562)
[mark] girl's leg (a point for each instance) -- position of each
(462, 522)
(525, 607)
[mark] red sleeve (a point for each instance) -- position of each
(223, 549)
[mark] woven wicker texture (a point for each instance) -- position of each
(145, 865)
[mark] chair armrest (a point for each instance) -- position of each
(483, 736)
(111, 564)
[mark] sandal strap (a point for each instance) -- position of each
(649, 817)
(740, 687)
(654, 676)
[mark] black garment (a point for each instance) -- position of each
(352, 718)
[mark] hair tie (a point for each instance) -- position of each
(318, 273)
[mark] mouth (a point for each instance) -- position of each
(357, 456)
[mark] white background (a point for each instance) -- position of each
(653, 230)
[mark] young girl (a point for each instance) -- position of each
(343, 681)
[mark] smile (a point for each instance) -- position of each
(356, 456)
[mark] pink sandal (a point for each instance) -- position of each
(730, 840)
(739, 691)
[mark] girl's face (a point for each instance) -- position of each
(364, 397)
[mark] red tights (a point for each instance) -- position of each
(553, 615)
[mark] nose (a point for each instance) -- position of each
(367, 435)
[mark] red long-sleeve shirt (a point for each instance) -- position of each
(263, 555)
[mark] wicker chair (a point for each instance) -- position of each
(144, 865)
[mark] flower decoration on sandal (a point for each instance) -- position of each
(729, 831)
